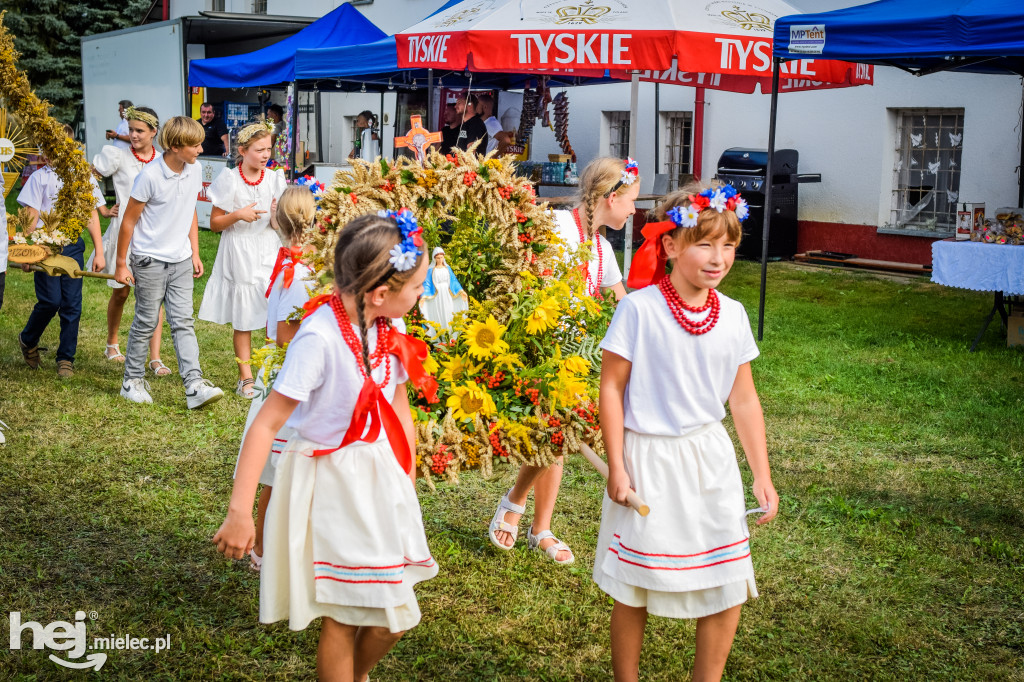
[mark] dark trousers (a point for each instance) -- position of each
(58, 296)
(3, 283)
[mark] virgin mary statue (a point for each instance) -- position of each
(443, 296)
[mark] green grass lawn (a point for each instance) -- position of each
(898, 552)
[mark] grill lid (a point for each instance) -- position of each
(742, 161)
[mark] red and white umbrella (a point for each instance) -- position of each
(713, 37)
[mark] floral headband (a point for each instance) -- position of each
(312, 184)
(246, 133)
(404, 254)
(648, 265)
(629, 175)
(133, 114)
(724, 198)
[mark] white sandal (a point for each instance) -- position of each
(158, 368)
(498, 522)
(118, 356)
(3, 438)
(533, 542)
(255, 561)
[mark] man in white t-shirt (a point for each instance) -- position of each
(159, 241)
(120, 134)
(57, 294)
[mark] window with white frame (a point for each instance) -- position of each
(926, 170)
(678, 130)
(618, 133)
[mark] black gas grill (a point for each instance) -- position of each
(746, 170)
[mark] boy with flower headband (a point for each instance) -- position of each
(159, 239)
(674, 354)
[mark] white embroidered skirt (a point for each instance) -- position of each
(690, 557)
(343, 539)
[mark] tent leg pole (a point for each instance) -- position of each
(294, 113)
(430, 100)
(380, 126)
(697, 139)
(1020, 168)
(634, 106)
(769, 181)
(657, 127)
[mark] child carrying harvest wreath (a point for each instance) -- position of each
(345, 539)
(674, 354)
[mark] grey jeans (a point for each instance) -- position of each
(158, 282)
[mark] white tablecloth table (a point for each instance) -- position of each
(981, 267)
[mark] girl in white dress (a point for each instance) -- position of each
(288, 290)
(243, 198)
(608, 189)
(674, 354)
(123, 164)
(443, 296)
(344, 535)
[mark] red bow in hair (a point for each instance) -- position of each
(287, 259)
(648, 266)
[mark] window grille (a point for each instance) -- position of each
(926, 171)
(679, 137)
(618, 133)
(259, 6)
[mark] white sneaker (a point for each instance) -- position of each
(201, 392)
(3, 440)
(136, 390)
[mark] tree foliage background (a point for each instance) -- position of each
(47, 33)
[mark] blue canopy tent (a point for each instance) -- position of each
(275, 64)
(919, 36)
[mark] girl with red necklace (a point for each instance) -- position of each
(243, 200)
(674, 354)
(607, 191)
(344, 533)
(123, 165)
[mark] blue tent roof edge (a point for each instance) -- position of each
(962, 35)
(275, 63)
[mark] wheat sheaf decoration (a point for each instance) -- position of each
(518, 371)
(74, 200)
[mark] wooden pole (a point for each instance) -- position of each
(632, 498)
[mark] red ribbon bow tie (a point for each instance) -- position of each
(648, 266)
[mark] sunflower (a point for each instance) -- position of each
(456, 367)
(543, 317)
(568, 388)
(430, 365)
(576, 365)
(469, 400)
(485, 338)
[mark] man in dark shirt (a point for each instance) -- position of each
(450, 131)
(473, 128)
(216, 142)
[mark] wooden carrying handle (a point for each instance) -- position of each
(632, 498)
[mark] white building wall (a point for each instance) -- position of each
(846, 134)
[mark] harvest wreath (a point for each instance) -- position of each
(519, 370)
(74, 202)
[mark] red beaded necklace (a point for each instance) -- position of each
(142, 160)
(380, 353)
(246, 181)
(592, 288)
(679, 308)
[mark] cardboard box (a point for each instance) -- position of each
(1015, 328)
(969, 218)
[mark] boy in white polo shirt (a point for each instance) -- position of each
(159, 241)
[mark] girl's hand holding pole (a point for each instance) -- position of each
(619, 489)
(765, 493)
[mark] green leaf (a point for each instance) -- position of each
(384, 168)
(407, 177)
